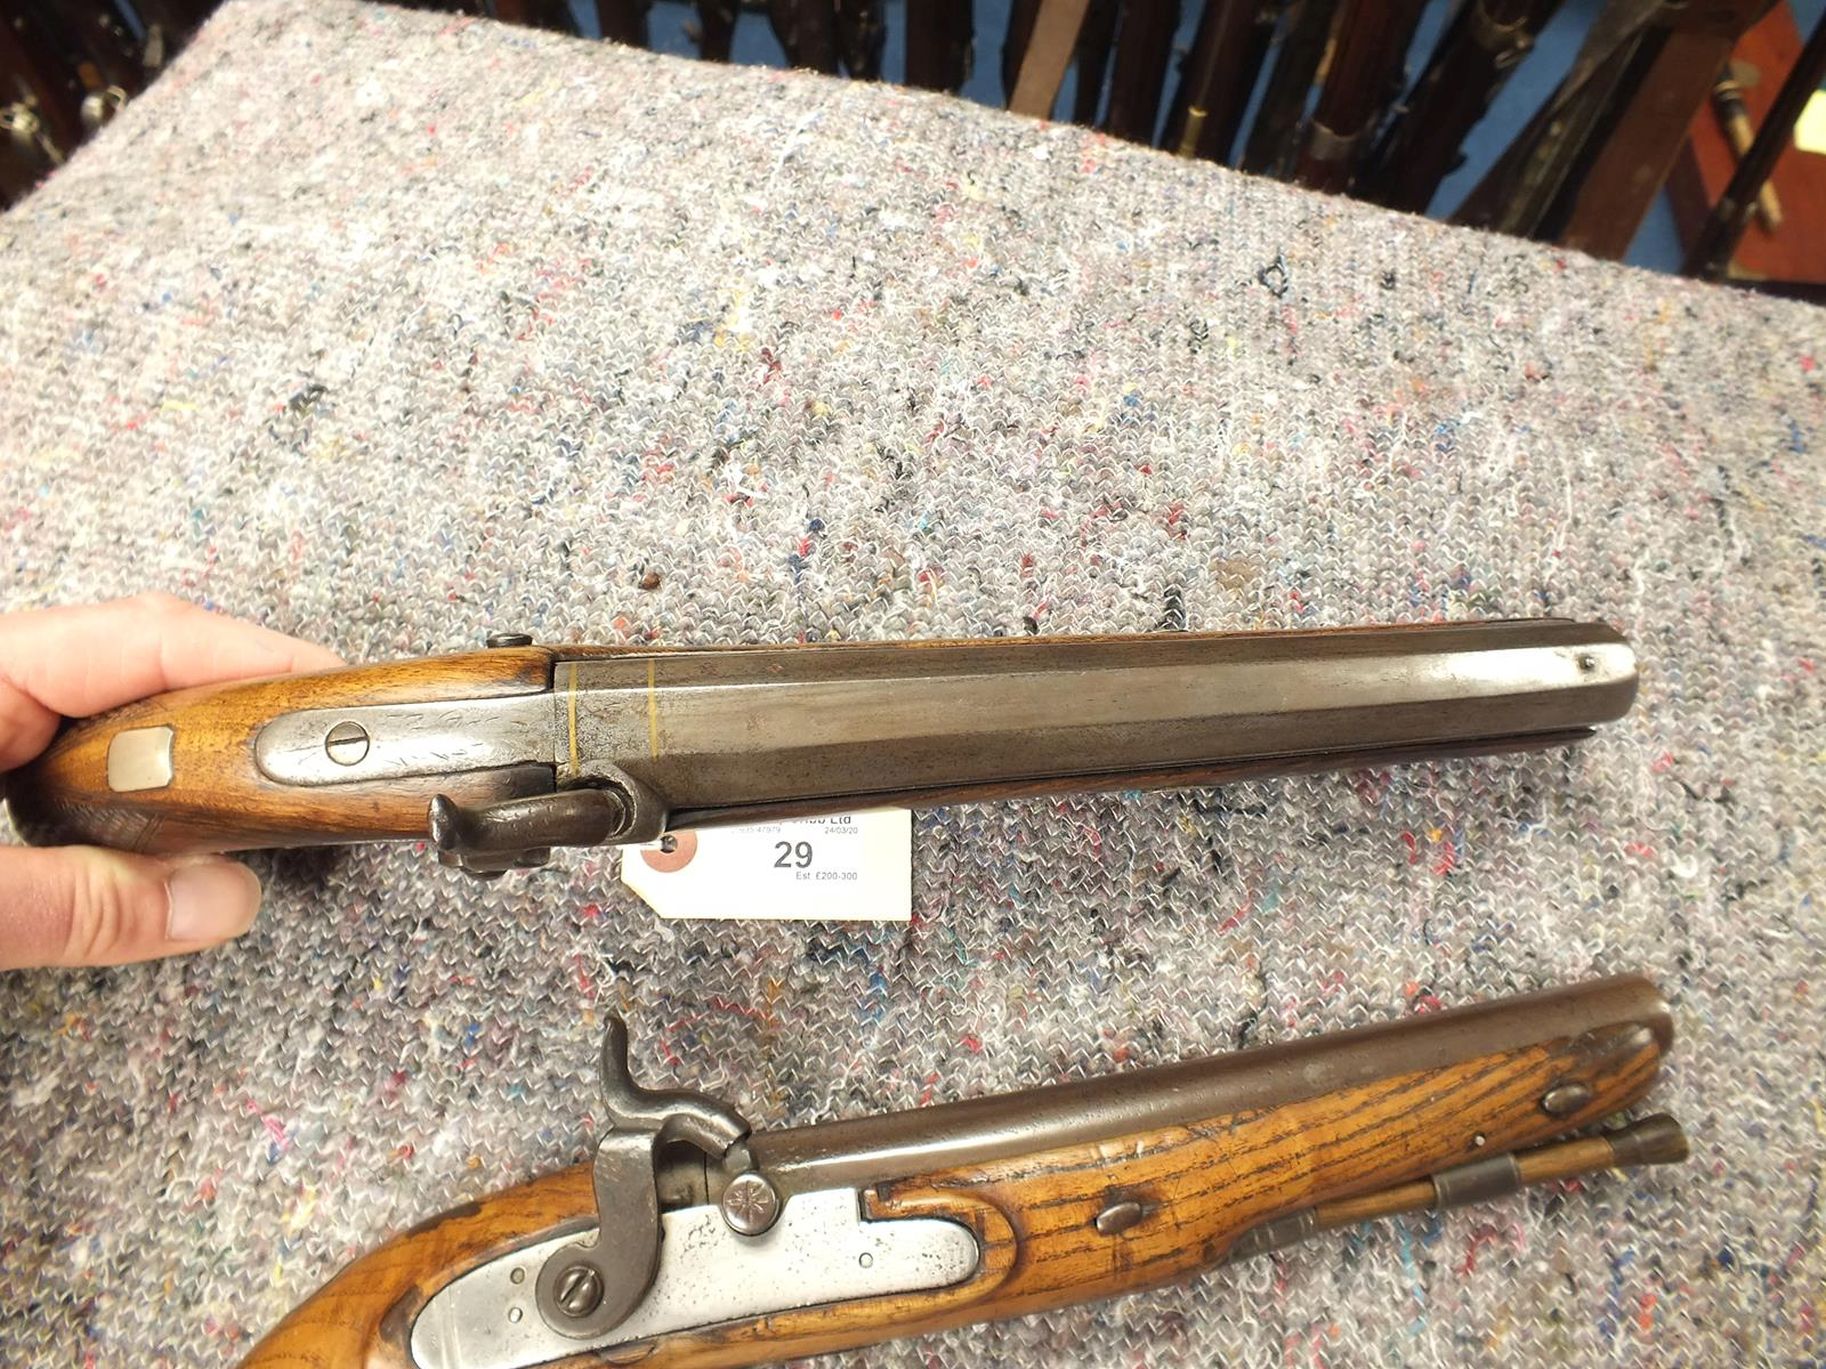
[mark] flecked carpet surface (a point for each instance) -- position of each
(388, 330)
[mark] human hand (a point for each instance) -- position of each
(81, 905)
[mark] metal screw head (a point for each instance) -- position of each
(347, 743)
(100, 106)
(1118, 1217)
(750, 1204)
(1562, 1100)
(22, 124)
(1587, 662)
(577, 1291)
(497, 640)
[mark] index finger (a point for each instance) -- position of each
(71, 662)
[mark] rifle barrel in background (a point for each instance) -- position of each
(1096, 40)
(807, 30)
(1485, 42)
(716, 21)
(1144, 48)
(1217, 77)
(862, 37)
(1273, 140)
(1364, 78)
(1522, 190)
(940, 34)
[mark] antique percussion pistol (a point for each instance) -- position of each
(692, 1240)
(499, 756)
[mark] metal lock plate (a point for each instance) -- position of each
(819, 1251)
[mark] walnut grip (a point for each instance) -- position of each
(177, 773)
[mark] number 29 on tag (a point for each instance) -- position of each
(853, 868)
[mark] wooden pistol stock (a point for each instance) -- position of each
(692, 1241)
(501, 755)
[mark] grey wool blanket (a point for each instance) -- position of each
(389, 329)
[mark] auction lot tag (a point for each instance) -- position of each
(853, 868)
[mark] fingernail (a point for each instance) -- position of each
(211, 900)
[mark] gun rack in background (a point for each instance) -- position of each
(1338, 95)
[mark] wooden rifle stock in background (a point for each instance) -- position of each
(501, 755)
(728, 1247)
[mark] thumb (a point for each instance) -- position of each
(80, 905)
